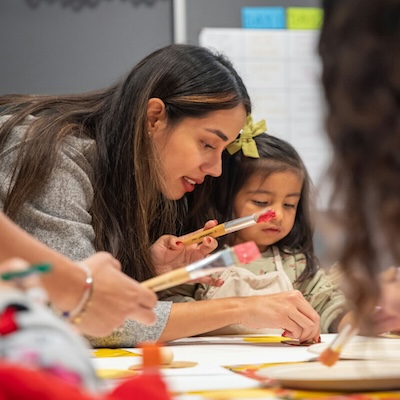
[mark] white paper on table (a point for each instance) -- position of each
(212, 358)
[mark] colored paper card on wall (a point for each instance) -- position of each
(304, 18)
(263, 17)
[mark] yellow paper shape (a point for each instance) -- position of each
(115, 373)
(264, 339)
(103, 353)
(237, 394)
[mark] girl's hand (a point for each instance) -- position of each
(169, 253)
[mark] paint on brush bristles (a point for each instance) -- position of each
(332, 353)
(329, 357)
(267, 216)
(247, 252)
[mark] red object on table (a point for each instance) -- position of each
(22, 383)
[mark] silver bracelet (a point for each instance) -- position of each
(76, 314)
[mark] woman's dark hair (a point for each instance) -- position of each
(360, 52)
(128, 211)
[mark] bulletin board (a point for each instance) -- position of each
(281, 70)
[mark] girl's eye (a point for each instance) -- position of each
(290, 206)
(260, 203)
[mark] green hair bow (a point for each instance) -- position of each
(245, 142)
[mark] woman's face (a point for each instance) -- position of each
(193, 149)
(281, 192)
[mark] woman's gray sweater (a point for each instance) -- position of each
(60, 218)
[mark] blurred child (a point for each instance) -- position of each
(41, 356)
(360, 58)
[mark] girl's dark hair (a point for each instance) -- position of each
(128, 211)
(276, 155)
(360, 53)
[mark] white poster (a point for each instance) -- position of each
(281, 71)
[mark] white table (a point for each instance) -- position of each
(212, 354)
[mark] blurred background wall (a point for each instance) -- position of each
(227, 13)
(66, 46)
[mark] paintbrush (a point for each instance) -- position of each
(332, 353)
(240, 254)
(230, 226)
(23, 273)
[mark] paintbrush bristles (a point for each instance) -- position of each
(247, 252)
(332, 353)
(266, 216)
(329, 357)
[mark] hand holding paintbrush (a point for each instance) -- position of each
(239, 254)
(230, 226)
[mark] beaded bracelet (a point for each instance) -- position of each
(75, 315)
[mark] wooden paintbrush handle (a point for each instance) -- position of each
(167, 280)
(198, 237)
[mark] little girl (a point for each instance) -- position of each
(266, 172)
